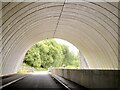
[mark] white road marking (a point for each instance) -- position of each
(11, 82)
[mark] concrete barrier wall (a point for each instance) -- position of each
(90, 78)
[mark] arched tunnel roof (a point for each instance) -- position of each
(91, 26)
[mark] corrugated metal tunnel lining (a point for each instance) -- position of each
(91, 26)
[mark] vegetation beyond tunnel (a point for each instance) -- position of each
(49, 53)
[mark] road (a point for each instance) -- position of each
(10, 78)
(39, 80)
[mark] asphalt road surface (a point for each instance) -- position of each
(40, 80)
(11, 78)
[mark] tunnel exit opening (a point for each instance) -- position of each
(51, 53)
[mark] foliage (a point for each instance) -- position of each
(22, 72)
(40, 69)
(49, 53)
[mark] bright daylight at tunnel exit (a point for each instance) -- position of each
(48, 54)
(60, 44)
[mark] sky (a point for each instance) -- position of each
(71, 47)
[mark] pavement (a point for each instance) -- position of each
(6, 80)
(36, 80)
(39, 80)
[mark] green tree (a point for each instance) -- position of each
(49, 53)
(32, 58)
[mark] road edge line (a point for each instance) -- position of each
(61, 82)
(12, 82)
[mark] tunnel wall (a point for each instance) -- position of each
(90, 78)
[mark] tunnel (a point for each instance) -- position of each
(93, 27)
